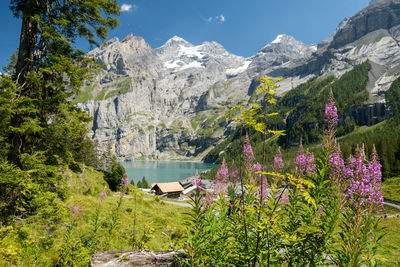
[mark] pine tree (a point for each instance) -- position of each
(145, 183)
(46, 71)
(39, 128)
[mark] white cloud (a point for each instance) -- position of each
(221, 18)
(128, 8)
(218, 19)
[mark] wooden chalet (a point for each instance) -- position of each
(171, 190)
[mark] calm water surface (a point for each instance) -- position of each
(163, 171)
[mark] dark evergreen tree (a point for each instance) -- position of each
(114, 175)
(39, 128)
(145, 183)
(393, 98)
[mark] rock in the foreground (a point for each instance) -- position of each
(136, 258)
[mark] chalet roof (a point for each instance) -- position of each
(189, 189)
(168, 187)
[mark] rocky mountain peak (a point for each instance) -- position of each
(283, 43)
(162, 102)
(379, 15)
(283, 49)
(174, 43)
(283, 38)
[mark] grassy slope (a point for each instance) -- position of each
(391, 189)
(389, 250)
(150, 213)
(153, 216)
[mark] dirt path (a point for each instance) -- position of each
(392, 205)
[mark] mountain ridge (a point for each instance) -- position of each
(168, 102)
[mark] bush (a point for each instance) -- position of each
(114, 175)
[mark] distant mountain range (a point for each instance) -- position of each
(169, 102)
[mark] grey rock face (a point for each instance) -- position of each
(136, 258)
(169, 102)
(165, 102)
(383, 14)
(283, 51)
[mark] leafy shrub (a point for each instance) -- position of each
(114, 175)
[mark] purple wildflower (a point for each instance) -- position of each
(233, 174)
(124, 180)
(278, 162)
(103, 195)
(331, 115)
(248, 151)
(75, 209)
(222, 173)
(339, 172)
(221, 179)
(263, 190)
(305, 163)
(284, 199)
(365, 185)
(197, 183)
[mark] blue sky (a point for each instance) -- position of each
(242, 27)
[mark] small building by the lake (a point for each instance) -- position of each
(171, 190)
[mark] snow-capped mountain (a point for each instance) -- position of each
(169, 102)
(283, 50)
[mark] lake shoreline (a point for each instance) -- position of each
(164, 171)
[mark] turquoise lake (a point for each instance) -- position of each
(163, 171)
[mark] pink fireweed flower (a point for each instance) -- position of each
(331, 115)
(221, 179)
(222, 173)
(257, 168)
(365, 185)
(263, 189)
(339, 172)
(248, 153)
(103, 195)
(284, 199)
(278, 162)
(305, 163)
(233, 174)
(218, 186)
(124, 180)
(248, 150)
(75, 209)
(197, 183)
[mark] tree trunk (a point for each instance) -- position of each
(27, 41)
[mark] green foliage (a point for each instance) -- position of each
(305, 117)
(299, 215)
(84, 95)
(114, 175)
(119, 87)
(391, 189)
(386, 138)
(143, 183)
(10, 249)
(300, 114)
(70, 240)
(393, 98)
(389, 251)
(316, 215)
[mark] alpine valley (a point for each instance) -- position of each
(169, 102)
